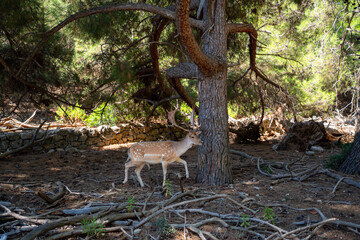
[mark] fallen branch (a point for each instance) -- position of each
(176, 205)
(8, 212)
(338, 177)
(56, 197)
(201, 233)
(306, 228)
(61, 222)
(337, 184)
(130, 223)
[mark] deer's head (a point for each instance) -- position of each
(193, 137)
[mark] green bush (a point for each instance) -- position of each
(164, 228)
(107, 115)
(336, 160)
(92, 227)
(70, 114)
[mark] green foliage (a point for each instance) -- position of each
(131, 204)
(23, 21)
(168, 188)
(269, 215)
(92, 227)
(336, 160)
(70, 114)
(104, 114)
(164, 228)
(266, 168)
(245, 221)
(306, 47)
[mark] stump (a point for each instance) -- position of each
(303, 135)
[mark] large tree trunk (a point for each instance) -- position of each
(214, 166)
(351, 165)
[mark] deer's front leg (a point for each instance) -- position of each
(185, 165)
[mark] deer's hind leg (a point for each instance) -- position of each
(128, 165)
(137, 171)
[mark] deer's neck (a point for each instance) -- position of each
(182, 146)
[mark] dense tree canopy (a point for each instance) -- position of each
(305, 46)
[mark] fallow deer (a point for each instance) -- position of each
(163, 152)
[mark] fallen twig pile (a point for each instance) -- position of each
(131, 219)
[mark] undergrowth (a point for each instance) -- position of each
(336, 160)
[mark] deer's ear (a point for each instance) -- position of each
(198, 133)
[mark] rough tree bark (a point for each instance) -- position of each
(351, 165)
(214, 167)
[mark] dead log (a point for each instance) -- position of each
(303, 135)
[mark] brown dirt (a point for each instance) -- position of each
(100, 173)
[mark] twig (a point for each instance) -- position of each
(8, 212)
(240, 205)
(249, 231)
(84, 194)
(313, 232)
(346, 180)
(337, 184)
(30, 118)
(148, 198)
(145, 220)
(306, 227)
(354, 230)
(198, 231)
(128, 235)
(61, 222)
(201, 223)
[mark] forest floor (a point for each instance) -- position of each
(96, 175)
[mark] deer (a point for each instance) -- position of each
(164, 152)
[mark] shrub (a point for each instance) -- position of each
(103, 115)
(70, 114)
(336, 160)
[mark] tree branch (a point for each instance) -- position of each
(183, 70)
(104, 9)
(206, 65)
(33, 86)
